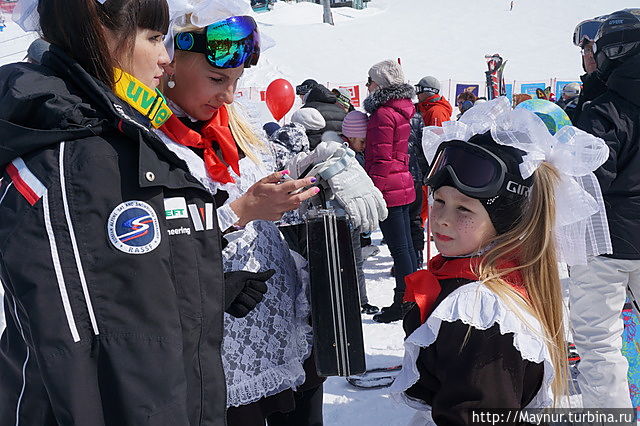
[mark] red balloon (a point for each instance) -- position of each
(280, 97)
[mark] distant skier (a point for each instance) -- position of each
(511, 7)
(569, 100)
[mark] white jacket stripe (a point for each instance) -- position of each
(5, 192)
(58, 269)
(24, 365)
(74, 244)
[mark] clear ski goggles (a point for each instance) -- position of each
(475, 171)
(230, 43)
(586, 31)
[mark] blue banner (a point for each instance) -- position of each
(509, 91)
(530, 88)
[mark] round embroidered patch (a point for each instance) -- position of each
(133, 227)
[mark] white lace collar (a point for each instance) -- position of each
(476, 305)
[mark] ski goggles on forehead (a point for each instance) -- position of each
(586, 31)
(420, 89)
(473, 170)
(230, 43)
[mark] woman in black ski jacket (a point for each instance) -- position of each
(110, 254)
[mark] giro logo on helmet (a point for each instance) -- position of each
(517, 188)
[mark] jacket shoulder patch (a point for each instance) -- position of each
(133, 228)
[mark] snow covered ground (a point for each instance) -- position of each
(446, 39)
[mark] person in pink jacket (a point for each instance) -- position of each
(387, 163)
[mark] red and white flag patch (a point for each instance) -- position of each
(25, 181)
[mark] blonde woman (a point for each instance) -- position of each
(487, 331)
(262, 353)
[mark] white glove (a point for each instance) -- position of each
(354, 189)
(305, 161)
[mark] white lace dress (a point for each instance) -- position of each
(262, 353)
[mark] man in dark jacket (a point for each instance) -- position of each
(592, 83)
(598, 293)
(432, 109)
(324, 101)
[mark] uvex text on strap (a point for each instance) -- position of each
(145, 100)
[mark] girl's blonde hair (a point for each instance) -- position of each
(243, 133)
(531, 245)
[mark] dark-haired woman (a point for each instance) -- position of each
(109, 247)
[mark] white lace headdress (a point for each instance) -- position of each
(581, 222)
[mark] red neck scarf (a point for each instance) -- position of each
(423, 286)
(215, 130)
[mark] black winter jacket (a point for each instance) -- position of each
(615, 117)
(592, 87)
(110, 260)
(324, 101)
(418, 165)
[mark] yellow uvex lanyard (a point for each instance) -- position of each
(148, 102)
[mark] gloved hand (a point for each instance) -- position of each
(244, 290)
(305, 161)
(350, 184)
(354, 190)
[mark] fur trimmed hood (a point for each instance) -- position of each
(382, 96)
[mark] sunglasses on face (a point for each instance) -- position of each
(230, 43)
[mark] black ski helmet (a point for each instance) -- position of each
(617, 39)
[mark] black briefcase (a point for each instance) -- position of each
(335, 301)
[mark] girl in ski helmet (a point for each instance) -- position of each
(487, 330)
(263, 353)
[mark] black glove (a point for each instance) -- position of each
(244, 290)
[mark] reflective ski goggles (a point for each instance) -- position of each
(230, 43)
(473, 170)
(586, 31)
